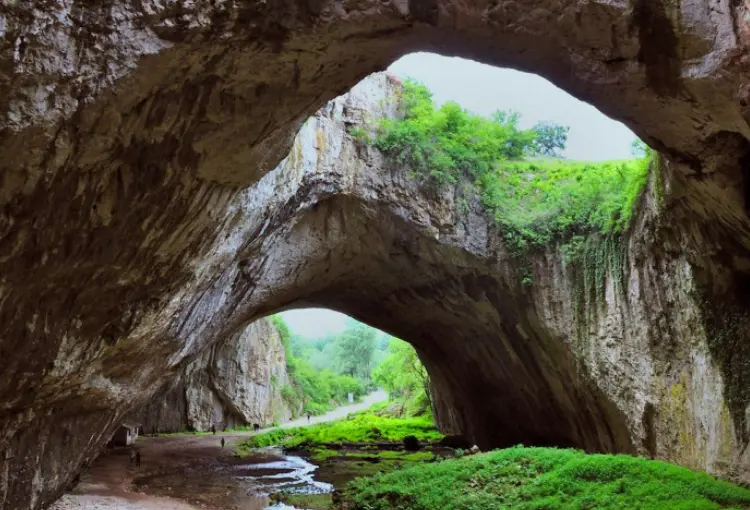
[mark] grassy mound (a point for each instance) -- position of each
(545, 478)
(356, 428)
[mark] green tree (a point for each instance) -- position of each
(404, 377)
(443, 144)
(535, 203)
(312, 389)
(639, 149)
(354, 350)
(551, 139)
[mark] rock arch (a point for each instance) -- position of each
(139, 218)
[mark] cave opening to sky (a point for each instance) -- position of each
(483, 89)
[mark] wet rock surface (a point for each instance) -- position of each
(142, 221)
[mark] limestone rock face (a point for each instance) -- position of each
(146, 214)
(235, 382)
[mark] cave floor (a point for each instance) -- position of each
(183, 472)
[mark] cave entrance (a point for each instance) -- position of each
(199, 114)
(334, 360)
(500, 352)
(485, 89)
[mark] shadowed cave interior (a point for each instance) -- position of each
(145, 218)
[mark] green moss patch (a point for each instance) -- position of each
(544, 478)
(357, 428)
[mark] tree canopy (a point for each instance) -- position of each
(354, 350)
(534, 202)
(402, 374)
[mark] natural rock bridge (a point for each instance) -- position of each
(142, 220)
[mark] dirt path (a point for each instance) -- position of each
(195, 469)
(340, 412)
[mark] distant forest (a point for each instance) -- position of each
(323, 371)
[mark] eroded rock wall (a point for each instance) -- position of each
(236, 382)
(141, 221)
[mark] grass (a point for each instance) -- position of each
(545, 478)
(356, 428)
(536, 202)
(307, 501)
(540, 202)
(322, 454)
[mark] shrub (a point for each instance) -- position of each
(535, 203)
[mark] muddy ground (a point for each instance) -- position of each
(188, 472)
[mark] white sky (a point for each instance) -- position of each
(315, 322)
(484, 89)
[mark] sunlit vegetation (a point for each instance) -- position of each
(356, 428)
(357, 360)
(535, 201)
(311, 390)
(405, 379)
(544, 478)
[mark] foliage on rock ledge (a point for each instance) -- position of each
(544, 478)
(535, 202)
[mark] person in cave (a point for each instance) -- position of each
(222, 442)
(137, 459)
(213, 429)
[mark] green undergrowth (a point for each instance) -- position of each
(544, 478)
(322, 454)
(356, 428)
(535, 202)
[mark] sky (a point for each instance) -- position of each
(483, 89)
(315, 322)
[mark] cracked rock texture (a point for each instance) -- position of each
(235, 382)
(146, 214)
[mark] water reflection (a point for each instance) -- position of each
(293, 474)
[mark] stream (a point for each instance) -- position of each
(244, 484)
(189, 472)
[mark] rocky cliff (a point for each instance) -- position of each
(145, 216)
(236, 382)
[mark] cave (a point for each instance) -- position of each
(158, 195)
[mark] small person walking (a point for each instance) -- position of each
(222, 442)
(132, 456)
(137, 459)
(308, 417)
(213, 429)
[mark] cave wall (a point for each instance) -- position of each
(235, 382)
(141, 221)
